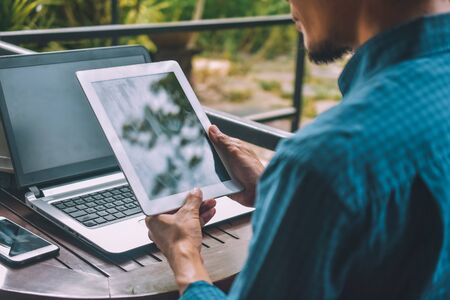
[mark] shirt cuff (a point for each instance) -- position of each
(202, 290)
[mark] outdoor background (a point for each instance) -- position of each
(244, 71)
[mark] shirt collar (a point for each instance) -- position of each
(421, 37)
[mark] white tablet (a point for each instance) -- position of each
(158, 131)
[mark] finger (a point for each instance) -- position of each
(151, 221)
(214, 131)
(150, 235)
(193, 200)
(207, 205)
(219, 138)
(147, 221)
(207, 216)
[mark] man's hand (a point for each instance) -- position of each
(243, 162)
(179, 237)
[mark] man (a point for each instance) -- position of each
(357, 204)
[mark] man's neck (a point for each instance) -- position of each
(376, 17)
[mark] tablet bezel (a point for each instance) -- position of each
(167, 203)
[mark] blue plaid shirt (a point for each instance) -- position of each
(357, 204)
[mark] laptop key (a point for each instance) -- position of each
(128, 200)
(130, 205)
(107, 194)
(132, 211)
(121, 207)
(77, 214)
(100, 207)
(103, 213)
(69, 210)
(59, 205)
(112, 210)
(79, 201)
(81, 207)
(91, 210)
(100, 220)
(89, 198)
(98, 197)
(91, 204)
(109, 205)
(119, 215)
(100, 202)
(118, 197)
(110, 217)
(109, 199)
(89, 223)
(87, 217)
(115, 192)
(118, 202)
(69, 203)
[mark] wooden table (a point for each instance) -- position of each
(81, 272)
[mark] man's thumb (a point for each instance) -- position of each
(194, 199)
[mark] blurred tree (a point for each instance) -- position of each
(180, 127)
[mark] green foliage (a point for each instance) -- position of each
(270, 85)
(309, 109)
(249, 40)
(265, 41)
(281, 40)
(19, 14)
(324, 88)
(177, 10)
(73, 13)
(238, 95)
(138, 12)
(142, 11)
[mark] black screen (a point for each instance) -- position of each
(15, 240)
(161, 134)
(54, 131)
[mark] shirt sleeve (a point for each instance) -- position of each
(200, 290)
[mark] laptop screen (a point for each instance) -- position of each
(53, 133)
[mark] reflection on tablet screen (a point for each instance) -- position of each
(161, 134)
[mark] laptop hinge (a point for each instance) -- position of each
(36, 191)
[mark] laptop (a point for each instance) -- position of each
(63, 163)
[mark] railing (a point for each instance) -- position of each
(246, 129)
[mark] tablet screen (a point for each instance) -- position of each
(160, 133)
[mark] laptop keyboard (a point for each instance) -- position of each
(101, 207)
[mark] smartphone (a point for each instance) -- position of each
(19, 246)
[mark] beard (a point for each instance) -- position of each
(327, 52)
